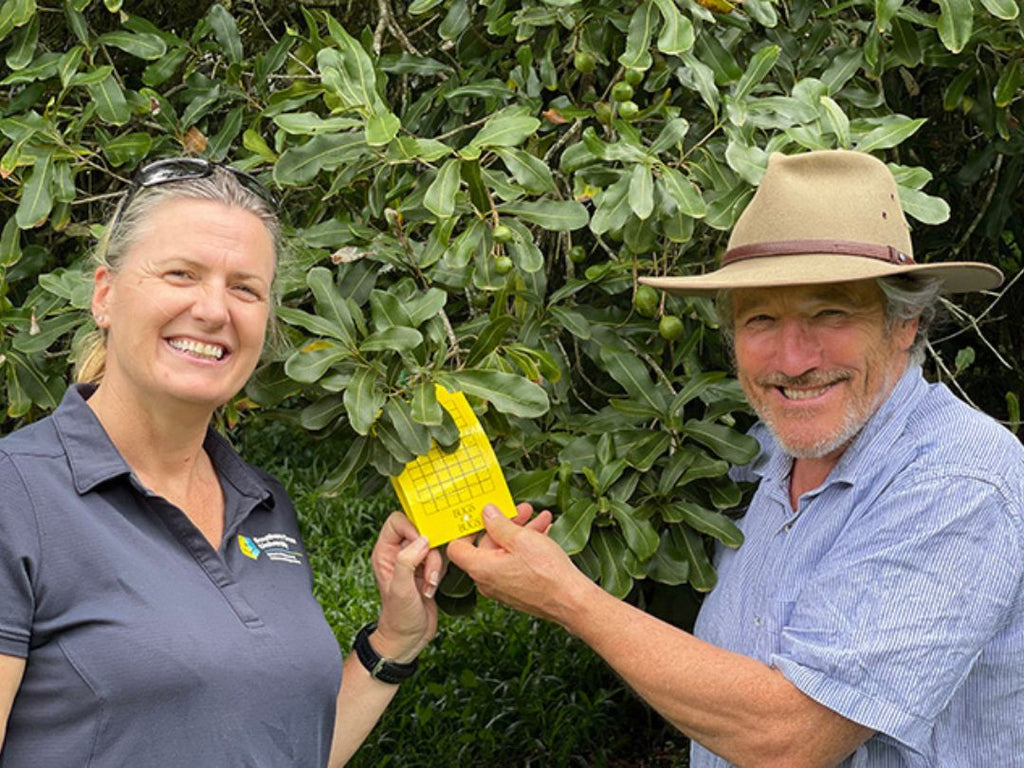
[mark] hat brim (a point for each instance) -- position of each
(818, 268)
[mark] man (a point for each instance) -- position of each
(875, 614)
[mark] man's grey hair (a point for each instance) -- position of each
(905, 298)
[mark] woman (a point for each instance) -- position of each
(157, 606)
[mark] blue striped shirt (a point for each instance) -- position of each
(894, 593)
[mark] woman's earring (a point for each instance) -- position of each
(100, 320)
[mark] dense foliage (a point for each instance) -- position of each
(470, 190)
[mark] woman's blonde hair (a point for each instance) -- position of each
(126, 226)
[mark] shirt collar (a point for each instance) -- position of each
(94, 459)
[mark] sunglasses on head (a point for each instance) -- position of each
(183, 169)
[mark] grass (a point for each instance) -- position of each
(496, 688)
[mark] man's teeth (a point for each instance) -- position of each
(198, 348)
(803, 394)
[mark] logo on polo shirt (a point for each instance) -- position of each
(278, 547)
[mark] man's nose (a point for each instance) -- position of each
(798, 347)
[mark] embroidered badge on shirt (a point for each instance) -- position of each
(274, 546)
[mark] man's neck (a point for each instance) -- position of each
(808, 474)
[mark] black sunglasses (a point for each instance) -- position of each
(182, 169)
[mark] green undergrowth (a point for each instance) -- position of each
(496, 688)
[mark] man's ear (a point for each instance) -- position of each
(906, 332)
(101, 291)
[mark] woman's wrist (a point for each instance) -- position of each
(394, 649)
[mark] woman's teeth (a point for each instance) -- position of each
(198, 348)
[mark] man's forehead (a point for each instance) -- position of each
(855, 292)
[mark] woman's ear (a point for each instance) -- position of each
(101, 290)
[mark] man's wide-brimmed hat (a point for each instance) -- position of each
(824, 217)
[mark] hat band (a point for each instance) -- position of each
(797, 247)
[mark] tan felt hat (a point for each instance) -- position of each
(824, 217)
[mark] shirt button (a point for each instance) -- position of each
(757, 621)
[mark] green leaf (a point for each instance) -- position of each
(651, 448)
(571, 529)
(670, 565)
(572, 321)
(702, 574)
(714, 524)
(381, 128)
(300, 165)
(612, 207)
(641, 191)
(322, 413)
(552, 215)
(532, 172)
(201, 105)
(956, 20)
(507, 392)
(677, 34)
(638, 532)
(683, 193)
(392, 338)
(23, 47)
(440, 195)
(455, 22)
(128, 148)
(425, 408)
(672, 135)
(611, 554)
(330, 304)
(531, 486)
(311, 124)
(923, 207)
(226, 31)
(760, 65)
(749, 162)
(837, 121)
(352, 461)
(312, 360)
(425, 306)
(413, 435)
(111, 105)
(885, 10)
(638, 40)
(10, 244)
(50, 329)
(36, 195)
(363, 400)
(141, 45)
(313, 323)
(631, 372)
(489, 339)
(508, 128)
(891, 131)
(348, 72)
(1008, 10)
(1008, 87)
(733, 446)
(388, 311)
(69, 63)
(844, 66)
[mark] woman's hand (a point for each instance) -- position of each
(407, 573)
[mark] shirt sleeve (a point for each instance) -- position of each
(19, 556)
(887, 628)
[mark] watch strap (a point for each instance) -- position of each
(382, 669)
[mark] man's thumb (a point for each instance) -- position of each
(500, 528)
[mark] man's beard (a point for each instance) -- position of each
(857, 414)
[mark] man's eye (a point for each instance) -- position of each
(831, 313)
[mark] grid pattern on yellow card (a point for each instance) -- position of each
(444, 493)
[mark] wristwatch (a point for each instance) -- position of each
(382, 669)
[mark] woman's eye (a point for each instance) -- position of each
(249, 292)
(178, 274)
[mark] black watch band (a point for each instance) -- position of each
(380, 668)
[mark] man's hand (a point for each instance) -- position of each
(516, 563)
(407, 573)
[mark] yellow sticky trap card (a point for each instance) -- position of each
(444, 493)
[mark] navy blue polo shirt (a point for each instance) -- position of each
(144, 645)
